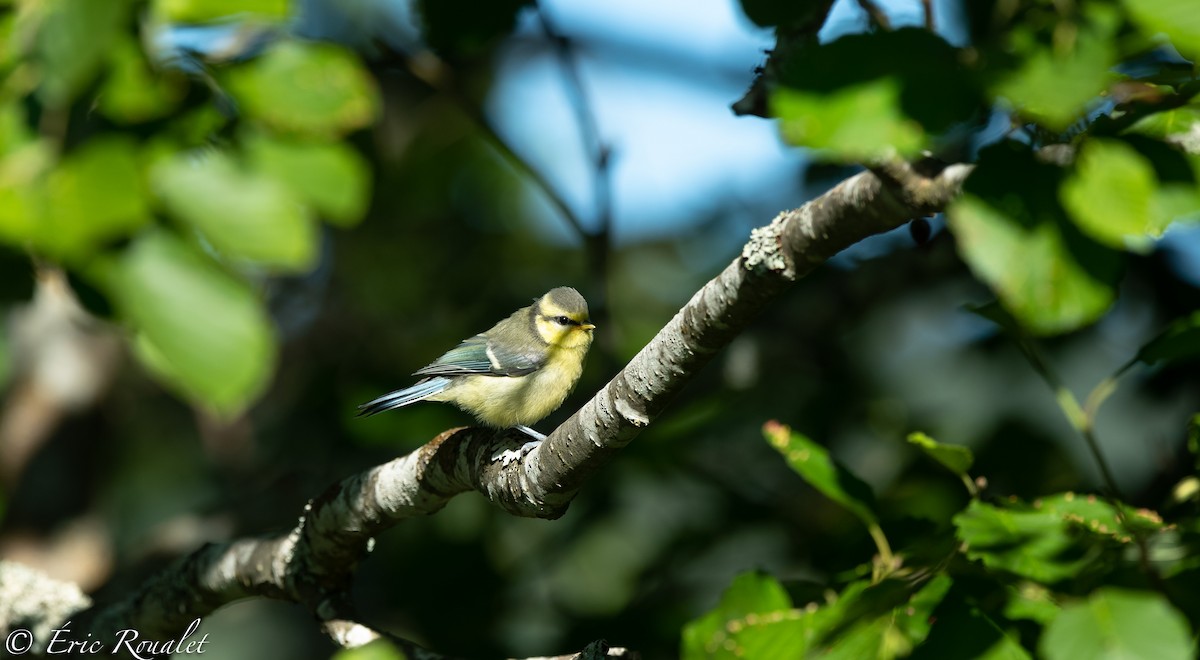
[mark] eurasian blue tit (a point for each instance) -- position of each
(512, 375)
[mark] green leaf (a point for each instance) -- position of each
(1180, 341)
(1175, 202)
(1169, 123)
(332, 177)
(1054, 85)
(961, 628)
(1110, 195)
(22, 193)
(380, 649)
(200, 330)
(1031, 601)
(812, 462)
(928, 85)
(200, 11)
(861, 122)
(133, 93)
(1118, 624)
(1178, 19)
(955, 458)
(307, 88)
(755, 619)
(95, 195)
(1012, 232)
(896, 630)
(750, 594)
(777, 635)
(1006, 648)
(1033, 544)
(245, 215)
(14, 127)
(1096, 515)
(72, 43)
(1055, 538)
(866, 639)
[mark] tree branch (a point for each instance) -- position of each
(314, 562)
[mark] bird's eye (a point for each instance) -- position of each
(562, 320)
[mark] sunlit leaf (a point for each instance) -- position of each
(955, 458)
(380, 649)
(813, 462)
(332, 177)
(1178, 19)
(95, 195)
(1012, 232)
(199, 11)
(1181, 341)
(22, 191)
(861, 122)
(1115, 624)
(199, 329)
(1110, 195)
(1055, 86)
(1175, 122)
(245, 215)
(316, 89)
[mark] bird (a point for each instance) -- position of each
(512, 375)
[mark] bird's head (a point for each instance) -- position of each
(561, 318)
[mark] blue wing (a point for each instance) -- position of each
(425, 388)
(479, 356)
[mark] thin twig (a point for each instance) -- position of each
(930, 21)
(596, 241)
(1082, 419)
(1074, 412)
(877, 15)
(589, 128)
(435, 74)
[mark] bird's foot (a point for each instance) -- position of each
(538, 437)
(506, 456)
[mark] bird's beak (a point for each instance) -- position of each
(587, 326)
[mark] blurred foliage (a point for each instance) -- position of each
(281, 228)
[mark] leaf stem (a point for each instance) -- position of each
(887, 561)
(1080, 418)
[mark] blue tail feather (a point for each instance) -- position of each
(422, 390)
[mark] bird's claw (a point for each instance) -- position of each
(506, 456)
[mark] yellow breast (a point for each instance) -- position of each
(506, 401)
